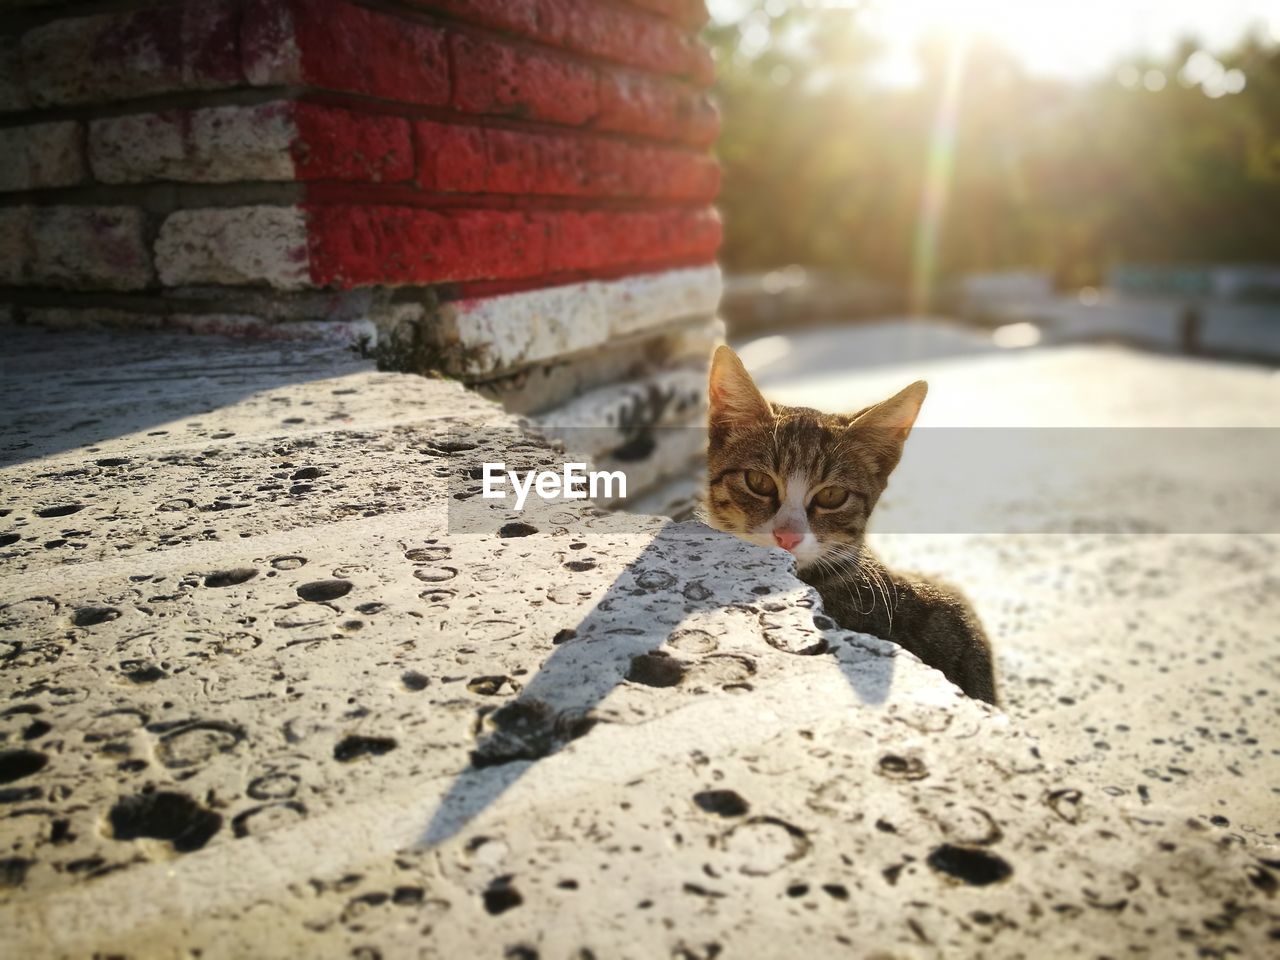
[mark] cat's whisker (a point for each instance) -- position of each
(853, 560)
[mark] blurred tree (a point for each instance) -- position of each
(825, 167)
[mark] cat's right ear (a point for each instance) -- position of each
(732, 395)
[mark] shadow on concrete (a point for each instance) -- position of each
(73, 390)
(620, 640)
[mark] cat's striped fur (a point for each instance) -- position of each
(807, 481)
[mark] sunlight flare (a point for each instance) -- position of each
(937, 180)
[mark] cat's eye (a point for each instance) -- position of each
(829, 498)
(759, 483)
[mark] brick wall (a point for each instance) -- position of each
(484, 186)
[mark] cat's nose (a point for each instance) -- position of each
(786, 539)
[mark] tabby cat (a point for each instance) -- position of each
(807, 481)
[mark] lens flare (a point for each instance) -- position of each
(937, 179)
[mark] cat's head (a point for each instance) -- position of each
(793, 477)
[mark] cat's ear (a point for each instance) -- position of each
(732, 394)
(885, 426)
(894, 417)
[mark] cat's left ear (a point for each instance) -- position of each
(893, 418)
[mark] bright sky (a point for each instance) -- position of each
(1070, 40)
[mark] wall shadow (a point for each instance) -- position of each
(63, 390)
(622, 640)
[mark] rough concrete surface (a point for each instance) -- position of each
(488, 334)
(262, 695)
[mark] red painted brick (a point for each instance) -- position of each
(598, 240)
(615, 33)
(350, 48)
(501, 245)
(451, 157)
(692, 13)
(336, 45)
(701, 68)
(596, 28)
(654, 107)
(360, 245)
(463, 159)
(520, 16)
(671, 174)
(342, 145)
(493, 78)
(513, 162)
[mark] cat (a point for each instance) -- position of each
(806, 481)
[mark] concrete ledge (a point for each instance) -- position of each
(267, 699)
(358, 334)
(484, 336)
(542, 386)
(602, 420)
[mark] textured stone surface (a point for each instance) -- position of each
(468, 159)
(363, 334)
(269, 699)
(602, 420)
(273, 141)
(89, 248)
(542, 114)
(114, 56)
(221, 144)
(614, 33)
(651, 106)
(494, 78)
(487, 335)
(348, 47)
(234, 245)
(543, 386)
(363, 244)
(41, 155)
(1145, 659)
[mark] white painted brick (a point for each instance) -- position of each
(41, 155)
(604, 419)
(132, 53)
(90, 248)
(215, 145)
(496, 333)
(236, 245)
